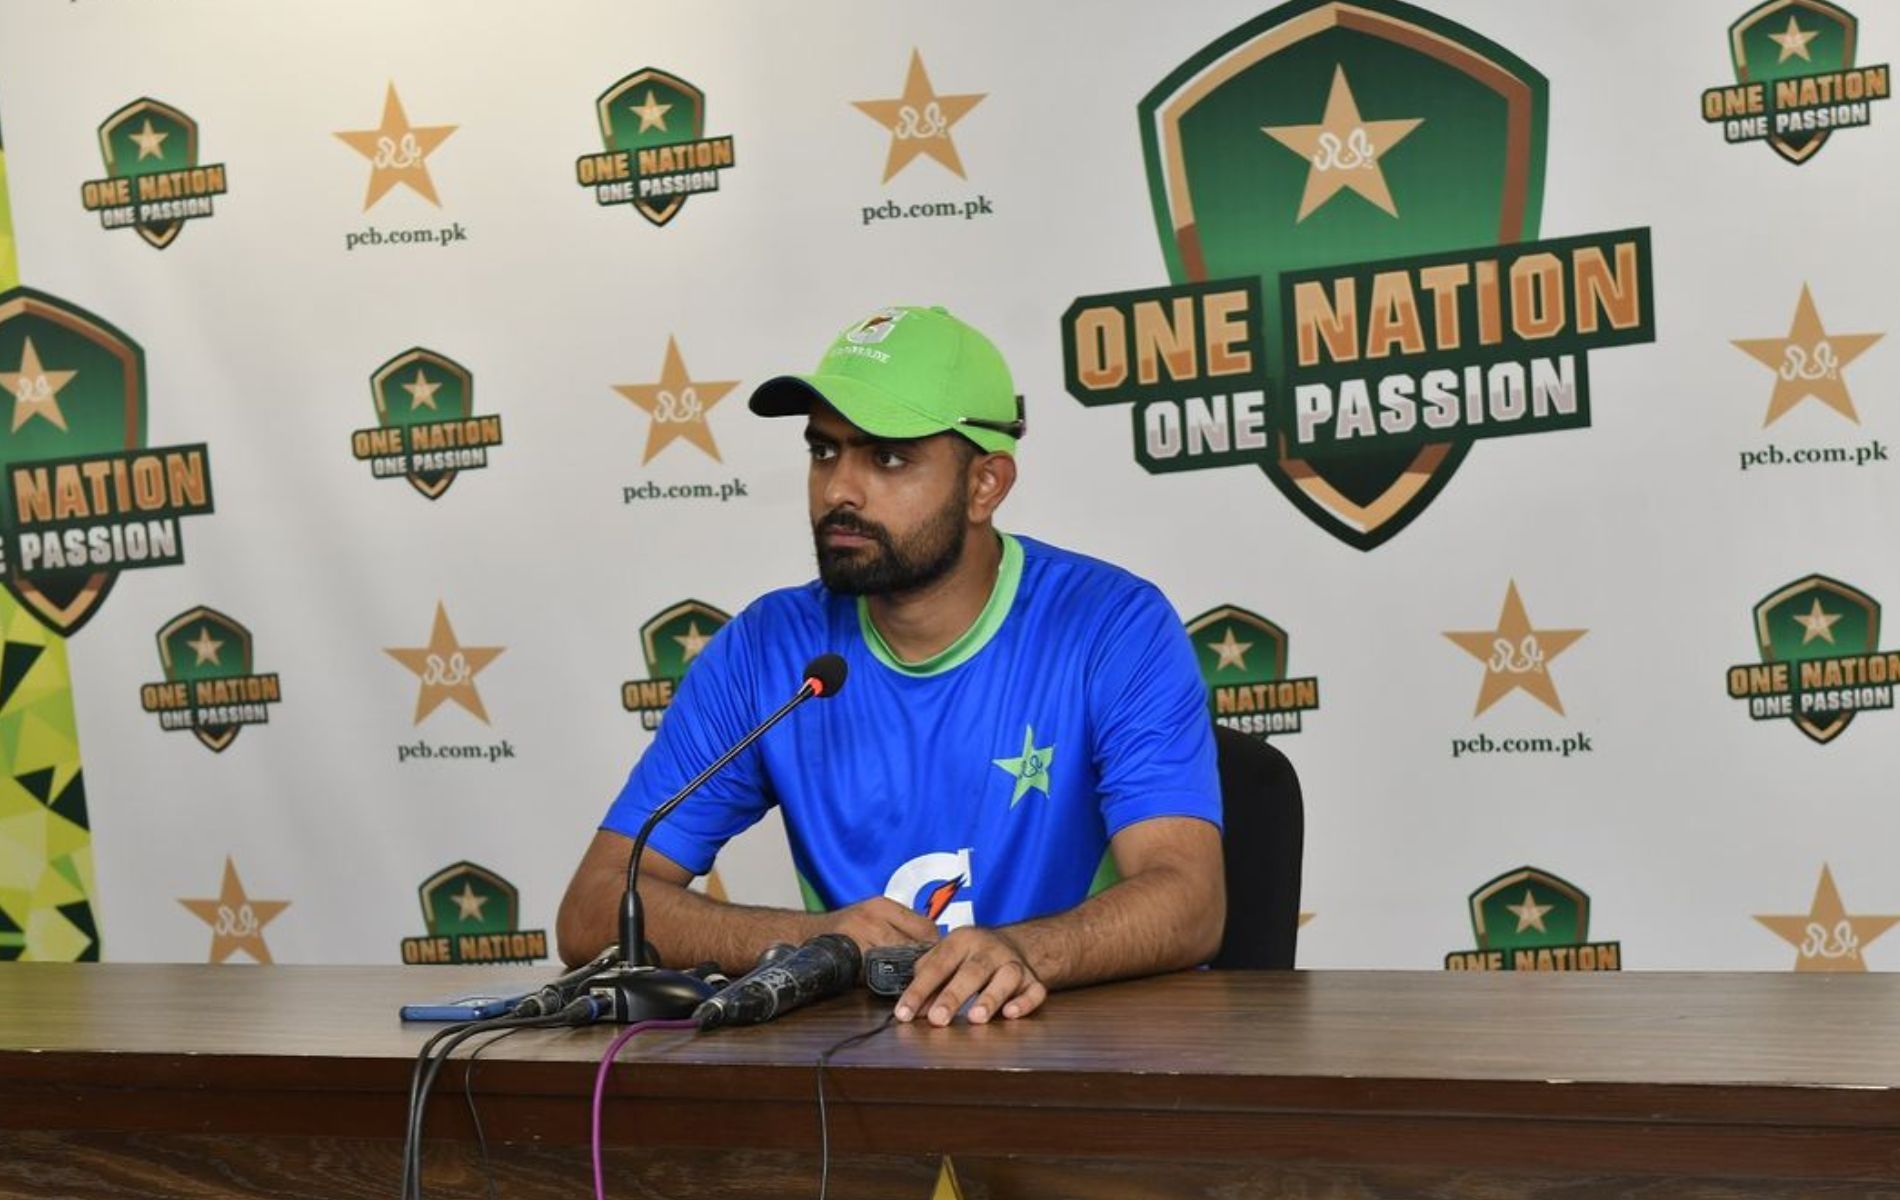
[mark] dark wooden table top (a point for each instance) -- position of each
(1821, 1031)
(1759, 1047)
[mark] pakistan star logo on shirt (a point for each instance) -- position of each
(1031, 768)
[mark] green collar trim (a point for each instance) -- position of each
(1009, 574)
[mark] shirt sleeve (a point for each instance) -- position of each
(711, 710)
(1153, 738)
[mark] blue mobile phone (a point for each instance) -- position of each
(477, 1006)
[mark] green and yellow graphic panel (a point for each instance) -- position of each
(46, 881)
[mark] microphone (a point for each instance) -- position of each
(552, 998)
(824, 675)
(825, 966)
(639, 990)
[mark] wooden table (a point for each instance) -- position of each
(160, 1081)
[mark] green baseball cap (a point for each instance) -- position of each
(908, 373)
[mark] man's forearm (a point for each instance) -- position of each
(685, 927)
(688, 928)
(1159, 920)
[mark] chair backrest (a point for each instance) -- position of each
(1264, 820)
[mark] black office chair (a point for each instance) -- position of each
(1265, 833)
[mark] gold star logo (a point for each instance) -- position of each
(1825, 937)
(468, 905)
(1232, 651)
(1343, 151)
(206, 647)
(1515, 655)
(1794, 41)
(446, 668)
(150, 141)
(421, 391)
(652, 114)
(35, 390)
(692, 641)
(1530, 914)
(237, 921)
(920, 121)
(398, 152)
(948, 1186)
(677, 405)
(1808, 362)
(1817, 624)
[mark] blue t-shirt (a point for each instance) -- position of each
(979, 787)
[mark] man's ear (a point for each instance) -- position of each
(990, 478)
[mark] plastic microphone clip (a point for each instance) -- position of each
(628, 994)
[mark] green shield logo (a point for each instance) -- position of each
(1233, 645)
(1817, 618)
(421, 387)
(1323, 133)
(672, 640)
(468, 899)
(203, 643)
(652, 108)
(1243, 660)
(77, 388)
(149, 137)
(1529, 909)
(1786, 38)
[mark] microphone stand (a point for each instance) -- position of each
(638, 990)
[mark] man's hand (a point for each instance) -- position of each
(985, 963)
(880, 921)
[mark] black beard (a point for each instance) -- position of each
(925, 557)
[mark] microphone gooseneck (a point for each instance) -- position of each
(670, 996)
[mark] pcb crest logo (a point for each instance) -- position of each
(84, 497)
(1243, 658)
(658, 155)
(1531, 920)
(1348, 199)
(473, 916)
(669, 642)
(1795, 78)
(211, 687)
(1820, 658)
(427, 431)
(154, 182)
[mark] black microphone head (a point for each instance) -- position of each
(825, 674)
(842, 954)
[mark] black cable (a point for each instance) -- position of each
(475, 1118)
(824, 1123)
(415, 1085)
(435, 1068)
(536, 1005)
(421, 1082)
(579, 1013)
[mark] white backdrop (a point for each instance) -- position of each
(260, 329)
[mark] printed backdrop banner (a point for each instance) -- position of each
(1502, 394)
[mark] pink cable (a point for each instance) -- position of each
(600, 1087)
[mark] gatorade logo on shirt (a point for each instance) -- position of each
(940, 885)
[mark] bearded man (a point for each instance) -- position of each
(1022, 769)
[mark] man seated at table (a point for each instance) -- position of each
(1022, 756)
